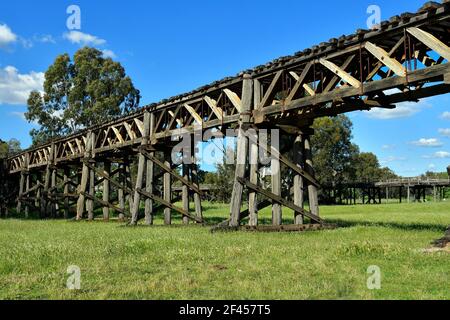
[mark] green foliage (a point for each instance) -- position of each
(87, 91)
(333, 150)
(337, 159)
(368, 168)
(222, 180)
(9, 148)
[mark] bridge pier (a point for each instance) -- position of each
(246, 175)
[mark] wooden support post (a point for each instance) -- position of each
(44, 193)
(252, 196)
(195, 182)
(84, 178)
(121, 192)
(401, 193)
(129, 184)
(312, 189)
(149, 177)
(27, 188)
(167, 184)
(242, 151)
(298, 179)
(387, 194)
(408, 194)
(37, 201)
(276, 190)
(21, 188)
(53, 203)
(185, 194)
(66, 191)
(141, 171)
(90, 201)
(106, 187)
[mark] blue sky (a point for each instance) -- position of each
(175, 46)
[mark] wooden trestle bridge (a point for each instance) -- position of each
(405, 59)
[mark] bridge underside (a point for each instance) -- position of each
(404, 60)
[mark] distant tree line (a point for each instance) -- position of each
(8, 148)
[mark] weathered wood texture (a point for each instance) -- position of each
(355, 72)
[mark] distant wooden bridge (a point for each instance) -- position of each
(404, 60)
(411, 189)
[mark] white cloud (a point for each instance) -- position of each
(431, 166)
(79, 37)
(15, 87)
(109, 54)
(6, 35)
(388, 146)
(438, 155)
(46, 38)
(445, 132)
(392, 159)
(428, 143)
(17, 114)
(403, 110)
(446, 115)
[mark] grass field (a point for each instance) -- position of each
(191, 263)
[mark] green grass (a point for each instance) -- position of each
(191, 263)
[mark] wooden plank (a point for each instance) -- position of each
(66, 191)
(312, 189)
(340, 73)
(270, 94)
(84, 180)
(170, 171)
(149, 178)
(167, 190)
(185, 193)
(130, 131)
(170, 205)
(431, 42)
(274, 152)
(384, 57)
(118, 135)
(194, 114)
(275, 170)
(299, 81)
(141, 171)
(106, 193)
(234, 98)
(298, 179)
(280, 200)
(140, 126)
(242, 150)
(213, 105)
(102, 202)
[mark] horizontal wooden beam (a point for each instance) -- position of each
(280, 200)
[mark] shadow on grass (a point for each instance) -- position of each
(392, 225)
